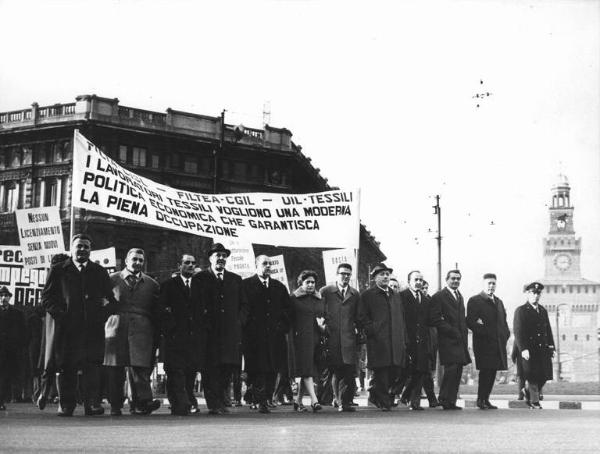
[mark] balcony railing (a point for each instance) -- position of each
(143, 115)
(56, 110)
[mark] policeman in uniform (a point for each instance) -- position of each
(534, 343)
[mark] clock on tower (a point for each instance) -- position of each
(562, 249)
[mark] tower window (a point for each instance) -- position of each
(575, 337)
(587, 337)
(139, 156)
(564, 337)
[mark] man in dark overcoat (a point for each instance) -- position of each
(223, 293)
(534, 344)
(265, 348)
(447, 314)
(340, 301)
(78, 298)
(13, 339)
(381, 315)
(416, 309)
(183, 321)
(486, 318)
(131, 336)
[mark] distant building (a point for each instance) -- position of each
(571, 300)
(184, 150)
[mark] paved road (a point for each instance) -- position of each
(25, 429)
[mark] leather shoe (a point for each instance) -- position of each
(194, 409)
(213, 411)
(41, 401)
(263, 409)
(433, 404)
(148, 408)
(449, 406)
(237, 403)
(93, 411)
(489, 405)
(65, 413)
(224, 410)
(481, 404)
(347, 408)
(415, 407)
(2, 407)
(116, 412)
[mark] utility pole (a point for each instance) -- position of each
(217, 153)
(438, 211)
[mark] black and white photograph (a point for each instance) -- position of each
(300, 226)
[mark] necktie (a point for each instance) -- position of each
(456, 294)
(220, 276)
(265, 283)
(343, 293)
(187, 285)
(131, 279)
(418, 295)
(81, 267)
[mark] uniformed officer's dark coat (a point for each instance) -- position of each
(340, 320)
(269, 312)
(533, 332)
(78, 304)
(419, 348)
(183, 324)
(489, 338)
(227, 311)
(448, 316)
(381, 315)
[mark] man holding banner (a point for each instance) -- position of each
(78, 296)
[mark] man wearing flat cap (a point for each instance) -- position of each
(534, 343)
(12, 341)
(226, 312)
(447, 314)
(486, 318)
(381, 315)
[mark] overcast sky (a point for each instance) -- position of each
(379, 94)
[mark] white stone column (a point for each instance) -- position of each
(17, 197)
(2, 195)
(42, 192)
(59, 192)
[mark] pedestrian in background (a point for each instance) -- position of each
(12, 343)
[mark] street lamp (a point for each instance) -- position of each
(558, 340)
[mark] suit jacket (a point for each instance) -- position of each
(265, 346)
(448, 316)
(78, 304)
(533, 332)
(340, 319)
(227, 311)
(489, 338)
(382, 318)
(131, 333)
(183, 318)
(419, 346)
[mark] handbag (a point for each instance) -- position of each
(322, 352)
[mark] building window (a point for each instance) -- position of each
(155, 161)
(123, 153)
(587, 337)
(51, 193)
(564, 337)
(27, 156)
(139, 156)
(575, 336)
(174, 161)
(12, 199)
(14, 159)
(190, 165)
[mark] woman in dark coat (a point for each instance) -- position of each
(307, 325)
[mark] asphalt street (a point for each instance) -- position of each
(24, 428)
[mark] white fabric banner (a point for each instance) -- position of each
(278, 270)
(324, 219)
(105, 257)
(331, 260)
(40, 235)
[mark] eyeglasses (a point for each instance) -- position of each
(189, 262)
(345, 274)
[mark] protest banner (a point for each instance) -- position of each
(25, 284)
(324, 219)
(105, 257)
(278, 270)
(331, 260)
(242, 260)
(40, 235)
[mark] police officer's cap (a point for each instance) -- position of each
(5, 291)
(534, 287)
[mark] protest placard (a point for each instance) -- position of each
(242, 260)
(105, 257)
(278, 270)
(40, 235)
(331, 260)
(324, 219)
(25, 284)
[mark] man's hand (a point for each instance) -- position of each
(479, 321)
(525, 355)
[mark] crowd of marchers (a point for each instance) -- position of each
(101, 333)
